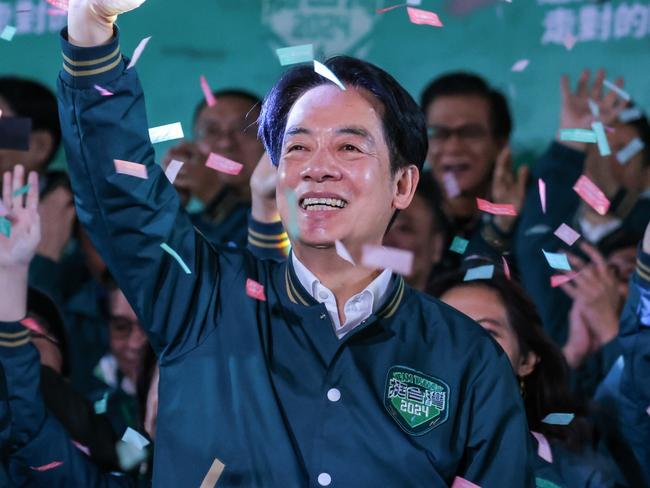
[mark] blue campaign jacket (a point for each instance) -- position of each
(265, 386)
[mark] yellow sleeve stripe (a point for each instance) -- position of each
(96, 71)
(14, 335)
(91, 62)
(268, 237)
(269, 245)
(16, 343)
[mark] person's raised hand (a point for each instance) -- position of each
(57, 213)
(90, 22)
(508, 187)
(263, 181)
(17, 249)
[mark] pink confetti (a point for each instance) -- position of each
(569, 41)
(31, 324)
(506, 268)
(543, 448)
(423, 17)
(132, 169)
(451, 185)
(591, 194)
(207, 92)
(56, 11)
(225, 165)
(81, 447)
(255, 290)
(103, 91)
(138, 52)
(520, 65)
(47, 467)
(60, 4)
(567, 234)
(463, 483)
(542, 193)
(382, 257)
(388, 9)
(496, 208)
(560, 279)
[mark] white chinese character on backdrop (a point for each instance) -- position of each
(558, 24)
(40, 18)
(605, 22)
(588, 27)
(24, 15)
(5, 14)
(630, 20)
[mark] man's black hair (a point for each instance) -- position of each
(467, 84)
(232, 93)
(28, 98)
(403, 122)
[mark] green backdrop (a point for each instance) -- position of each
(233, 43)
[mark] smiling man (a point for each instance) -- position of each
(335, 375)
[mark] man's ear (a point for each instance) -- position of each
(41, 144)
(406, 181)
(527, 364)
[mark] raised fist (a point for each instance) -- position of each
(90, 22)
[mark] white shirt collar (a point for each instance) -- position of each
(357, 309)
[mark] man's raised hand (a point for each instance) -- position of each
(90, 22)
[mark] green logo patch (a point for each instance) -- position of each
(418, 402)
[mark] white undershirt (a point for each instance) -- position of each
(357, 309)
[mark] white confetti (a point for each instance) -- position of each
(630, 150)
(167, 132)
(325, 72)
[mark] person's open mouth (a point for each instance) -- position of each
(311, 204)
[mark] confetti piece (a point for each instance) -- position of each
(383, 257)
(15, 133)
(567, 234)
(484, 272)
(542, 483)
(630, 114)
(569, 41)
(207, 92)
(61, 4)
(325, 72)
(81, 447)
(172, 170)
(168, 132)
(47, 467)
(128, 455)
(8, 33)
(557, 260)
(543, 447)
(3, 209)
(31, 324)
(56, 11)
(292, 207)
(255, 290)
(103, 91)
(601, 139)
(459, 245)
(463, 483)
(423, 17)
(537, 230)
(131, 169)
(134, 438)
(647, 410)
(560, 279)
(451, 185)
(224, 165)
(506, 268)
(541, 185)
(5, 227)
(21, 191)
(593, 107)
(175, 255)
(388, 9)
(619, 91)
(343, 252)
(213, 474)
(303, 53)
(101, 404)
(591, 194)
(138, 52)
(635, 146)
(578, 135)
(558, 418)
(496, 208)
(520, 65)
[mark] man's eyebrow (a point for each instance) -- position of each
(356, 131)
(292, 131)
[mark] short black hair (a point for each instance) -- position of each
(460, 83)
(29, 98)
(232, 93)
(403, 122)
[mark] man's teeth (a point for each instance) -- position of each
(323, 203)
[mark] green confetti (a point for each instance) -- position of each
(5, 227)
(558, 418)
(578, 135)
(295, 54)
(601, 139)
(8, 33)
(100, 405)
(542, 483)
(175, 255)
(484, 272)
(21, 191)
(459, 245)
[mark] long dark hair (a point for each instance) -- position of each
(546, 389)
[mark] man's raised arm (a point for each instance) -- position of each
(167, 271)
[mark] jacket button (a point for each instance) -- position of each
(324, 479)
(333, 394)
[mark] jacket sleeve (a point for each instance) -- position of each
(560, 167)
(175, 294)
(267, 241)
